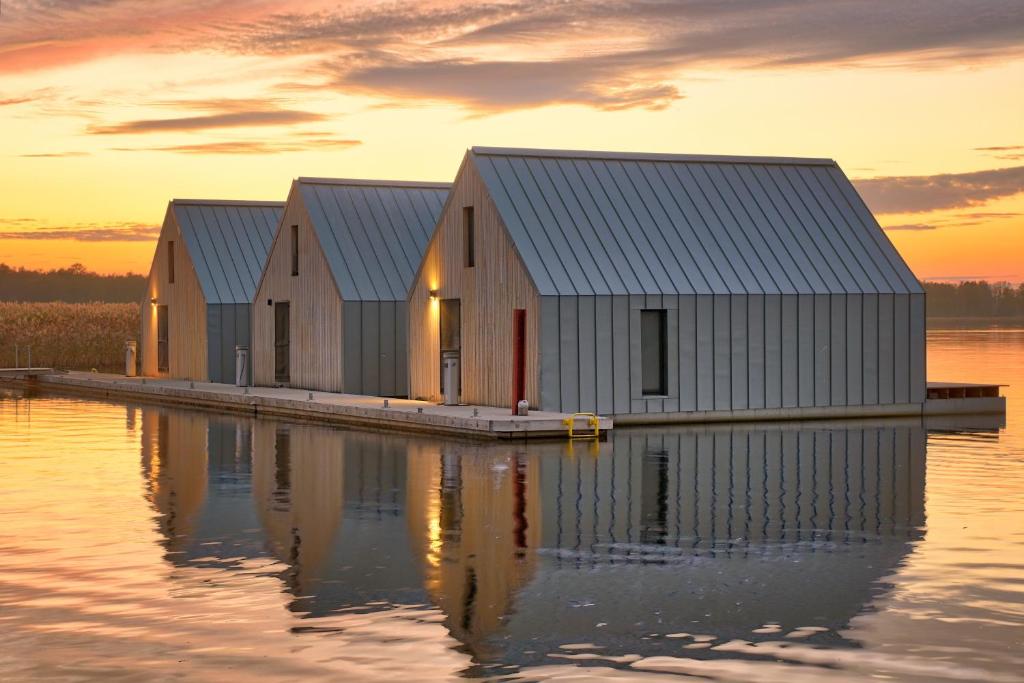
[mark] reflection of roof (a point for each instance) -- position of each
(228, 242)
(589, 223)
(372, 232)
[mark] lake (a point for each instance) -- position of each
(150, 543)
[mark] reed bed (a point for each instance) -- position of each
(68, 336)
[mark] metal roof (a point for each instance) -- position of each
(228, 242)
(373, 232)
(618, 223)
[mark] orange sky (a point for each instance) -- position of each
(110, 108)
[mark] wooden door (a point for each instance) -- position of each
(162, 352)
(282, 342)
(450, 328)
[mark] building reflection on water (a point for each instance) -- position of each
(735, 532)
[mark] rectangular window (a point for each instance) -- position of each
(162, 355)
(653, 352)
(468, 236)
(170, 262)
(295, 250)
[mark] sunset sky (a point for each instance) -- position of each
(109, 108)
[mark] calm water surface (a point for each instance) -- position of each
(146, 543)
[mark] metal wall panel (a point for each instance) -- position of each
(371, 346)
(870, 349)
(790, 352)
(671, 304)
(622, 386)
(604, 364)
(352, 347)
(568, 355)
(918, 351)
(805, 350)
(755, 351)
(837, 367)
(387, 352)
(738, 365)
(213, 342)
(886, 349)
(901, 347)
(587, 331)
(773, 351)
(822, 350)
(401, 349)
(687, 352)
(705, 353)
(854, 349)
(550, 347)
(722, 352)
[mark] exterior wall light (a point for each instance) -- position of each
(153, 301)
(433, 295)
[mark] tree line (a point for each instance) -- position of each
(975, 299)
(971, 299)
(73, 284)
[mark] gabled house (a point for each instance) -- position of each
(330, 309)
(659, 287)
(199, 292)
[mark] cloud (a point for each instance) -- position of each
(915, 194)
(606, 54)
(53, 155)
(223, 120)
(1004, 152)
(82, 232)
(250, 146)
(909, 226)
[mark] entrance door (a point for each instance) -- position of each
(450, 324)
(162, 356)
(282, 342)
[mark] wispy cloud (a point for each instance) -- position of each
(909, 227)
(250, 146)
(82, 232)
(206, 122)
(487, 56)
(914, 194)
(53, 155)
(1004, 152)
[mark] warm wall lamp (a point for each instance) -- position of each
(433, 295)
(153, 301)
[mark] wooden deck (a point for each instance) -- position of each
(369, 412)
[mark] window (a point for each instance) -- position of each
(295, 250)
(162, 356)
(468, 236)
(282, 342)
(170, 262)
(653, 360)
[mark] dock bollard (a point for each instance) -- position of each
(191, 384)
(387, 404)
(310, 396)
(476, 412)
(419, 410)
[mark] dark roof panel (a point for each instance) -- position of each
(228, 242)
(373, 233)
(589, 223)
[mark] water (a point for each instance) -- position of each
(147, 543)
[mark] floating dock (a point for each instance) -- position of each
(480, 422)
(366, 412)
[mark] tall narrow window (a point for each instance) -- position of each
(653, 358)
(163, 363)
(295, 250)
(282, 342)
(170, 262)
(469, 236)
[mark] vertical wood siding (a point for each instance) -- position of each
(186, 312)
(489, 292)
(316, 354)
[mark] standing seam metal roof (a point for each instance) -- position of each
(373, 233)
(620, 223)
(228, 242)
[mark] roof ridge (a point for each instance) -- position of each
(365, 182)
(227, 202)
(650, 156)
